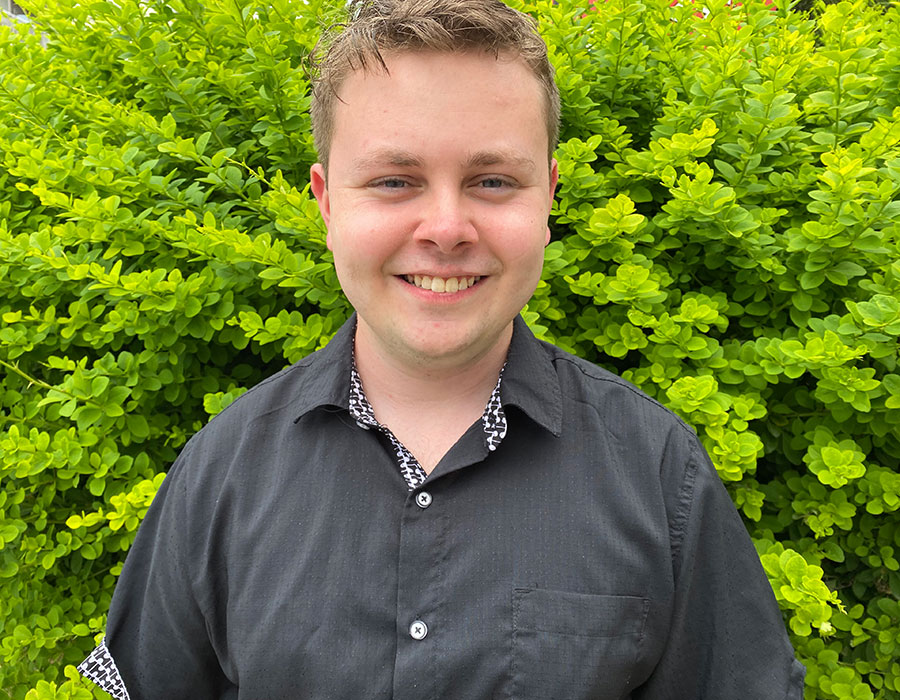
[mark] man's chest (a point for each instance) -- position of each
(498, 579)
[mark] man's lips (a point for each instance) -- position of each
(442, 285)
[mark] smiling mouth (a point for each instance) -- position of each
(442, 285)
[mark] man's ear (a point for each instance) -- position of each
(319, 186)
(554, 179)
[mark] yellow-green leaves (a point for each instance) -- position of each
(798, 585)
(834, 462)
(615, 219)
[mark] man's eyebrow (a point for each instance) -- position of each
(406, 159)
(485, 158)
(388, 156)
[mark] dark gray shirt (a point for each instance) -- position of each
(594, 554)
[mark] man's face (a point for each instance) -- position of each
(436, 203)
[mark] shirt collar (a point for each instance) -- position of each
(328, 384)
(529, 379)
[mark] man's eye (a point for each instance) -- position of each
(391, 183)
(494, 183)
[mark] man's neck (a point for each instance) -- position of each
(428, 406)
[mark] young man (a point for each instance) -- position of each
(437, 505)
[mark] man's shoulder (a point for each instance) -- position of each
(276, 404)
(289, 393)
(615, 399)
(253, 429)
(582, 373)
(319, 379)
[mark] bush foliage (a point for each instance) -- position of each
(726, 236)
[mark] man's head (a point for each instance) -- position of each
(439, 182)
(384, 27)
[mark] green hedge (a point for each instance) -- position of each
(726, 236)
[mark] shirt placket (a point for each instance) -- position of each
(422, 553)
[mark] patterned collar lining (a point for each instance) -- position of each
(493, 420)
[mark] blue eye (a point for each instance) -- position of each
(392, 183)
(496, 183)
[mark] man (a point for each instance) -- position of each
(437, 505)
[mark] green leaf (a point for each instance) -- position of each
(192, 307)
(137, 425)
(9, 567)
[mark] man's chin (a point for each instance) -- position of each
(455, 347)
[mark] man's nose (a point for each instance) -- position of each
(447, 221)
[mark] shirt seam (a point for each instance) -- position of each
(625, 385)
(686, 505)
(278, 375)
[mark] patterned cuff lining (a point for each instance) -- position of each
(100, 668)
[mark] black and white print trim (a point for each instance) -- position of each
(493, 419)
(101, 669)
(362, 412)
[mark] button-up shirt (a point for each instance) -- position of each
(594, 554)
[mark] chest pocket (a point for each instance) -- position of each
(574, 645)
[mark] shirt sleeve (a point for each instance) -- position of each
(157, 642)
(727, 639)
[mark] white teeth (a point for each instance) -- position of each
(441, 285)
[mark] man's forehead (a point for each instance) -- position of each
(383, 65)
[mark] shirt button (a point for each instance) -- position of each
(418, 630)
(423, 499)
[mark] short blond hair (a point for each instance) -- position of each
(378, 27)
